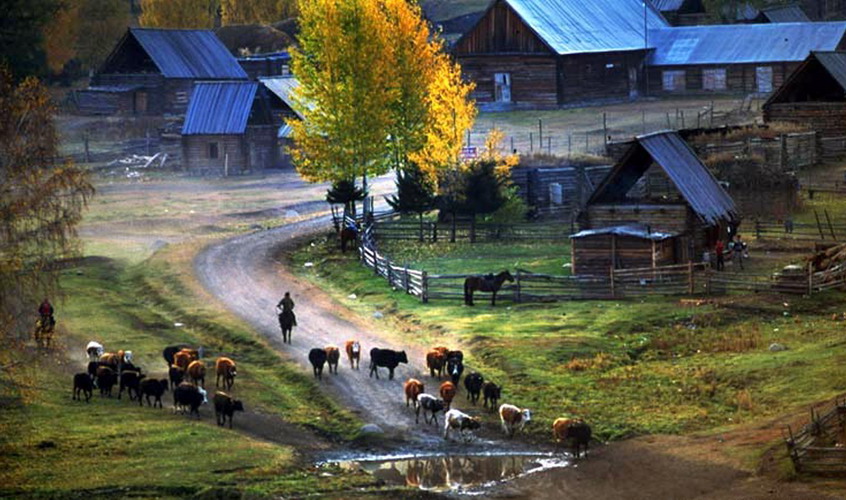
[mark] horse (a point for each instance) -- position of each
(489, 283)
(286, 323)
(348, 234)
(44, 332)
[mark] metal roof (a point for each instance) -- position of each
(197, 54)
(219, 108)
(579, 26)
(786, 14)
(633, 230)
(742, 43)
(270, 56)
(835, 64)
(674, 156)
(282, 87)
(668, 5)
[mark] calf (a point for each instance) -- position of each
(225, 406)
(82, 383)
(175, 374)
(130, 380)
(190, 396)
(317, 358)
(473, 383)
(513, 419)
(492, 393)
(353, 349)
(152, 387)
(386, 358)
(412, 388)
(197, 372)
(435, 363)
(447, 392)
(461, 422)
(574, 430)
(225, 369)
(333, 356)
(455, 367)
(106, 379)
(429, 404)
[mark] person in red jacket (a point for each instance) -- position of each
(719, 249)
(45, 310)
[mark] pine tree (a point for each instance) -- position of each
(346, 193)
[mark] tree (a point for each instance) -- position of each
(257, 11)
(41, 202)
(21, 35)
(195, 14)
(346, 193)
(101, 24)
(415, 194)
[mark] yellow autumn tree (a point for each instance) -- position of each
(257, 11)
(189, 14)
(60, 37)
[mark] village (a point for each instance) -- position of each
(599, 246)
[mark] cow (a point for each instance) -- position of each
(94, 365)
(492, 393)
(574, 430)
(333, 356)
(152, 387)
(106, 379)
(130, 380)
(473, 383)
(412, 388)
(184, 358)
(513, 419)
(461, 422)
(225, 369)
(190, 396)
(454, 367)
(110, 359)
(169, 352)
(225, 406)
(428, 404)
(386, 358)
(317, 358)
(353, 349)
(435, 363)
(447, 392)
(197, 372)
(454, 354)
(94, 350)
(82, 383)
(175, 374)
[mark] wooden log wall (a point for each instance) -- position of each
(595, 255)
(827, 119)
(500, 31)
(231, 160)
(670, 218)
(598, 77)
(740, 78)
(263, 149)
(532, 78)
(577, 184)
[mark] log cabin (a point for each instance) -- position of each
(682, 12)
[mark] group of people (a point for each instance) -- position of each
(736, 249)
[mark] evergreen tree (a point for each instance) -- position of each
(414, 192)
(346, 193)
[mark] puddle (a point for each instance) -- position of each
(457, 473)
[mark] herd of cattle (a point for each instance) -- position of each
(186, 378)
(440, 362)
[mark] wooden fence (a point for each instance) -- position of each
(467, 229)
(817, 448)
(825, 229)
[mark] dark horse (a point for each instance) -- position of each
(287, 321)
(348, 234)
(44, 328)
(489, 283)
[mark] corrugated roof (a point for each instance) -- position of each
(579, 26)
(189, 54)
(673, 155)
(743, 43)
(835, 64)
(668, 5)
(219, 108)
(633, 230)
(786, 14)
(271, 56)
(282, 87)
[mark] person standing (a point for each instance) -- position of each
(718, 250)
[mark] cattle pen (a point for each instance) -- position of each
(817, 448)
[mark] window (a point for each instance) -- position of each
(764, 78)
(502, 87)
(714, 79)
(182, 97)
(214, 150)
(673, 80)
(285, 70)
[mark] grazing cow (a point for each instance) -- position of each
(492, 393)
(130, 380)
(461, 422)
(574, 430)
(94, 350)
(110, 359)
(447, 392)
(333, 356)
(435, 363)
(429, 404)
(473, 383)
(225, 406)
(353, 349)
(513, 419)
(386, 358)
(184, 358)
(82, 383)
(152, 387)
(170, 351)
(317, 358)
(190, 396)
(225, 369)
(197, 372)
(455, 367)
(412, 388)
(175, 374)
(106, 379)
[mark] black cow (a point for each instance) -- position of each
(455, 367)
(225, 406)
(317, 358)
(175, 374)
(473, 383)
(106, 379)
(82, 383)
(492, 393)
(170, 350)
(191, 396)
(94, 365)
(429, 404)
(152, 387)
(131, 381)
(459, 355)
(386, 358)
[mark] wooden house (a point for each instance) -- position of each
(282, 87)
(658, 205)
(813, 95)
(682, 12)
(266, 65)
(153, 71)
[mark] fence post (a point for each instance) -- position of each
(407, 281)
(435, 232)
(690, 284)
(390, 275)
(424, 293)
(613, 291)
(452, 234)
(810, 278)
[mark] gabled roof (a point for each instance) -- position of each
(785, 14)
(675, 157)
(742, 43)
(668, 5)
(282, 87)
(219, 108)
(833, 62)
(195, 54)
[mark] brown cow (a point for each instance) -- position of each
(435, 362)
(573, 429)
(197, 371)
(333, 356)
(447, 392)
(513, 419)
(184, 358)
(112, 359)
(225, 369)
(441, 349)
(413, 388)
(353, 349)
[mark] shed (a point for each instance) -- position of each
(660, 183)
(629, 246)
(682, 12)
(266, 65)
(813, 95)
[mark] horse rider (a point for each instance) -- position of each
(287, 306)
(45, 310)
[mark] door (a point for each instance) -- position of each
(764, 78)
(633, 82)
(502, 87)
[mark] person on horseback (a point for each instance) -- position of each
(45, 310)
(286, 306)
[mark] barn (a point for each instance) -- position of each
(152, 72)
(658, 205)
(813, 95)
